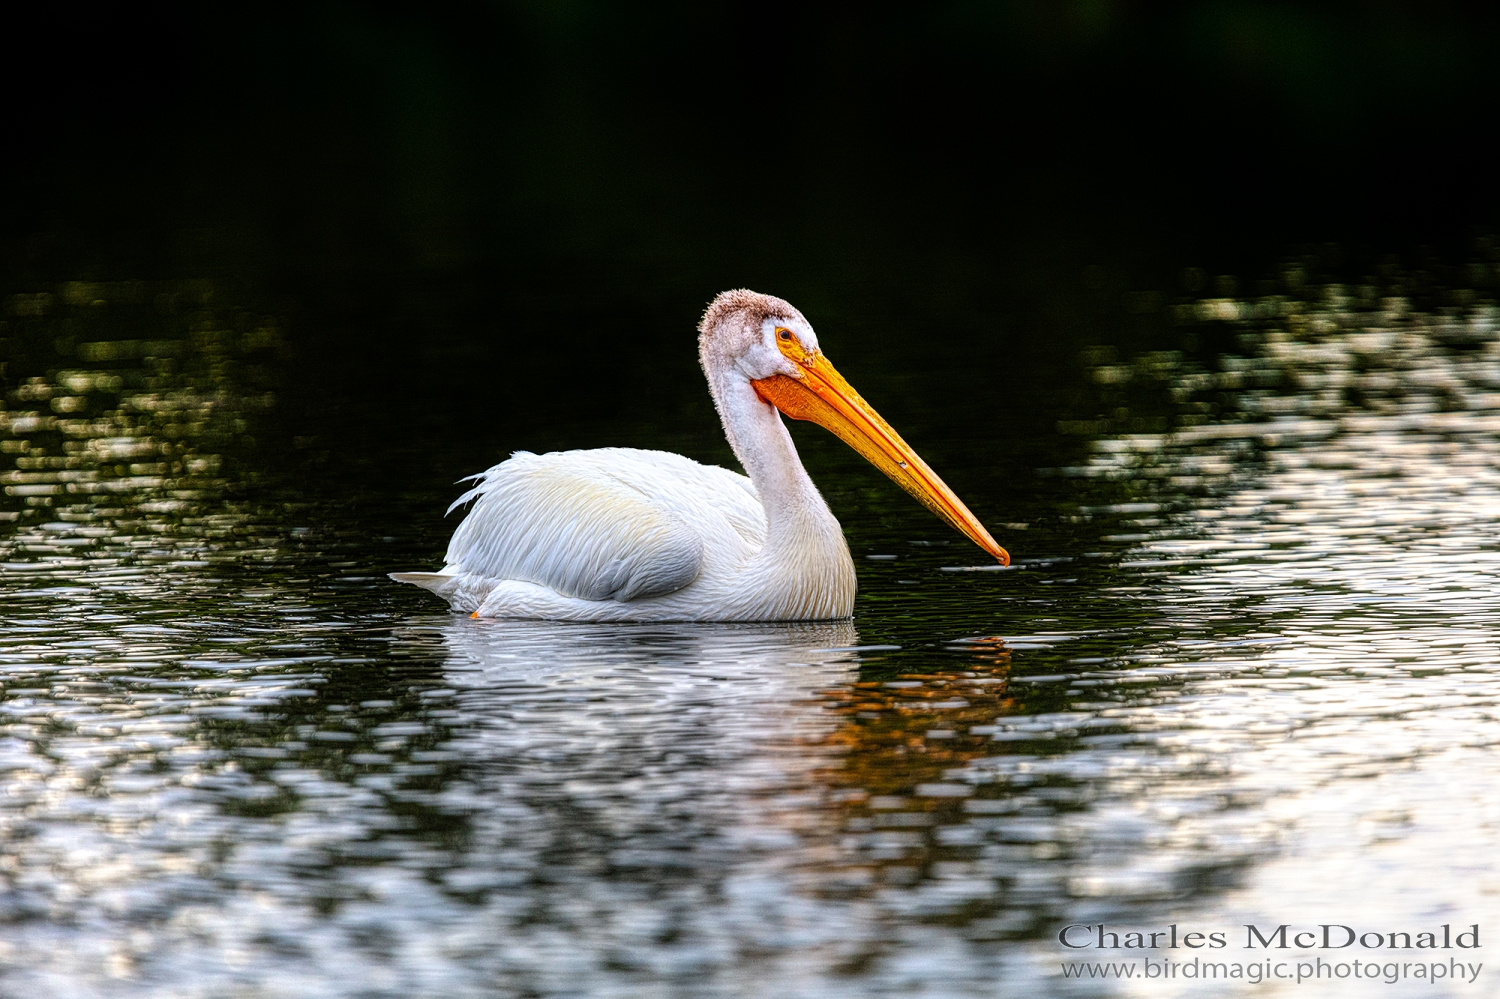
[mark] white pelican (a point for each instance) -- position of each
(618, 534)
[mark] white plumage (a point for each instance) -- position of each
(611, 524)
(618, 534)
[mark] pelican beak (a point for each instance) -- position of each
(821, 394)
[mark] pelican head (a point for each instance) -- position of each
(763, 342)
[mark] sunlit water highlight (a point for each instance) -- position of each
(234, 761)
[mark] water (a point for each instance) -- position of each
(1245, 670)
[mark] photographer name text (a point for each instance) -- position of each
(1284, 936)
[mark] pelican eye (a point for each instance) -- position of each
(784, 334)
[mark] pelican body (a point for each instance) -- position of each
(619, 534)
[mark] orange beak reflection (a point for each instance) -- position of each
(824, 397)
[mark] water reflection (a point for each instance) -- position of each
(1262, 669)
(1344, 526)
(127, 433)
(659, 794)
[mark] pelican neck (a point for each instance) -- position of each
(765, 450)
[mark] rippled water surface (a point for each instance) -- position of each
(1246, 669)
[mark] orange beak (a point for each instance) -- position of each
(821, 394)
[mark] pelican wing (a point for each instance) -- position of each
(609, 524)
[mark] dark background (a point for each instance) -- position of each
(498, 222)
(718, 137)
